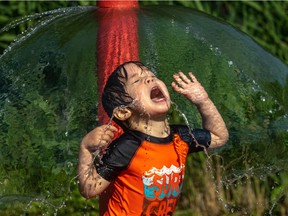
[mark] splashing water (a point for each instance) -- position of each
(49, 100)
(209, 161)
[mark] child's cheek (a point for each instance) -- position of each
(131, 91)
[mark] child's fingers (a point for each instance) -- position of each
(109, 134)
(179, 80)
(102, 143)
(193, 78)
(109, 128)
(184, 78)
(107, 138)
(112, 128)
(176, 87)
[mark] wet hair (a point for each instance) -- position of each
(114, 94)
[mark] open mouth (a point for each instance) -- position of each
(156, 94)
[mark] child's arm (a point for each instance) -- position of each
(211, 118)
(90, 183)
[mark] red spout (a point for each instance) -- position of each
(117, 41)
(115, 4)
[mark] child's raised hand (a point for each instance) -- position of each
(189, 87)
(99, 138)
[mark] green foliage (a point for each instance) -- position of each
(11, 11)
(43, 117)
(265, 21)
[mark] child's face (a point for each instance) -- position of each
(150, 94)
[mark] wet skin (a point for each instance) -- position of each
(147, 114)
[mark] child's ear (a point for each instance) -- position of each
(122, 113)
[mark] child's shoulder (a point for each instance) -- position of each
(180, 129)
(127, 138)
(193, 136)
(127, 142)
(120, 152)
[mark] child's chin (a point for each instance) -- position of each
(162, 112)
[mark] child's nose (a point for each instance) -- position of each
(149, 79)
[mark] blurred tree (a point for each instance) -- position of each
(265, 21)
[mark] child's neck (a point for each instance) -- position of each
(156, 128)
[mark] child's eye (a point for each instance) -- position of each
(136, 81)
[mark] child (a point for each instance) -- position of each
(146, 164)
